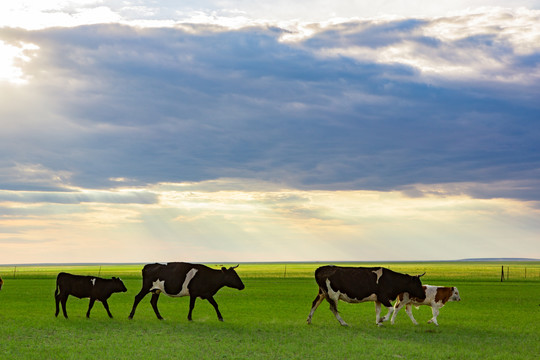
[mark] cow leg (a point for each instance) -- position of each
(377, 312)
(63, 301)
(215, 305)
(318, 300)
(138, 299)
(106, 306)
(333, 308)
(57, 300)
(435, 312)
(408, 309)
(389, 314)
(191, 306)
(388, 305)
(90, 305)
(153, 301)
(397, 306)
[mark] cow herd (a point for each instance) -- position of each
(349, 284)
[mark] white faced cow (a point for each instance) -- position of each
(435, 296)
(178, 279)
(360, 284)
(91, 287)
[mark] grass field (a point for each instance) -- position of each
(494, 320)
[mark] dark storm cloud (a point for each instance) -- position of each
(192, 104)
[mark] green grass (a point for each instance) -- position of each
(267, 320)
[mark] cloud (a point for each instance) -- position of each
(330, 111)
(230, 220)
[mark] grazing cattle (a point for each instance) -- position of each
(1, 283)
(178, 279)
(360, 284)
(435, 296)
(91, 287)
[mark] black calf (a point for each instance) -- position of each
(91, 287)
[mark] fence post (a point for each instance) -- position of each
(502, 273)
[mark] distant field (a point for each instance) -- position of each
(435, 271)
(267, 320)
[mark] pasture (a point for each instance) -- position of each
(267, 320)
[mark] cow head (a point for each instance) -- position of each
(455, 295)
(232, 279)
(118, 285)
(415, 288)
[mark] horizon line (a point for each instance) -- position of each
(271, 262)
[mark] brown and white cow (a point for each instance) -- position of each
(360, 284)
(436, 297)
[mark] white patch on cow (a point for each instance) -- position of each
(338, 295)
(379, 274)
(93, 281)
(159, 285)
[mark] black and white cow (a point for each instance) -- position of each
(91, 287)
(360, 284)
(178, 279)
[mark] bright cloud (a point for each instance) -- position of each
(242, 224)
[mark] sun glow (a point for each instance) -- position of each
(11, 59)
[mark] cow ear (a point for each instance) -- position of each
(223, 268)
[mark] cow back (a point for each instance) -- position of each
(356, 282)
(181, 279)
(174, 278)
(76, 285)
(88, 286)
(361, 282)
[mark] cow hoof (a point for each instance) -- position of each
(221, 319)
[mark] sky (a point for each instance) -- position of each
(242, 131)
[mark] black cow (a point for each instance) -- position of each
(360, 284)
(178, 279)
(85, 286)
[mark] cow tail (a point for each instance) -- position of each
(57, 289)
